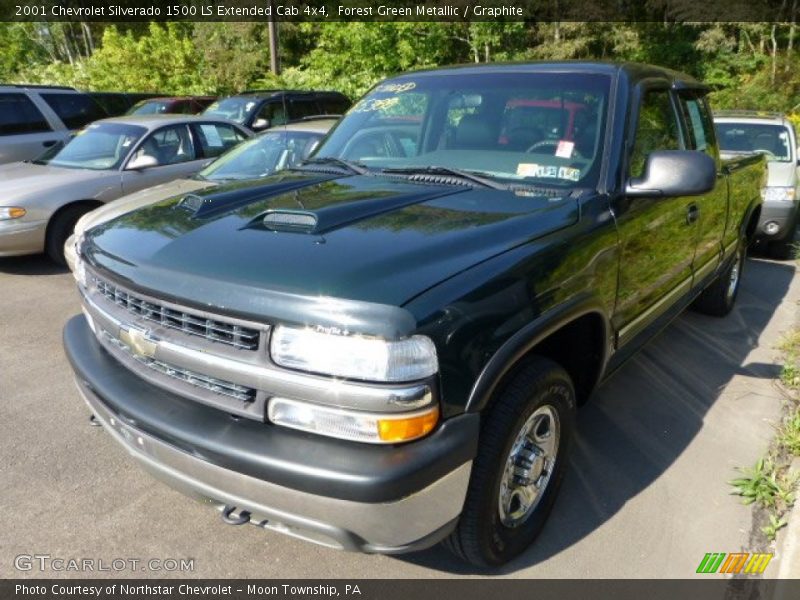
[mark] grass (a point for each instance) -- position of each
(766, 485)
(790, 373)
(771, 529)
(789, 434)
(770, 483)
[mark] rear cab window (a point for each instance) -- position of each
(19, 115)
(699, 123)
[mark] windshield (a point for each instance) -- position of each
(262, 156)
(772, 140)
(150, 107)
(540, 128)
(236, 109)
(99, 146)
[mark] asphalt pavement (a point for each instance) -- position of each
(646, 494)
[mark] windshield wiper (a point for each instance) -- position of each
(435, 170)
(353, 167)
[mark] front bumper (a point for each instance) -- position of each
(340, 494)
(19, 237)
(782, 213)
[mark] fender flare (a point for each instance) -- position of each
(519, 344)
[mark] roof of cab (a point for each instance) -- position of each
(635, 72)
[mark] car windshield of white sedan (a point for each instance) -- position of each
(99, 146)
(262, 155)
(235, 109)
(771, 140)
(509, 127)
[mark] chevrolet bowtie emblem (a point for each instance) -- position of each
(138, 341)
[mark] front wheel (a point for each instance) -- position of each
(520, 464)
(60, 228)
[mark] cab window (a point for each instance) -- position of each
(656, 129)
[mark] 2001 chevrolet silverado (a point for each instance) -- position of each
(385, 347)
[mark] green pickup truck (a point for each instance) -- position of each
(385, 347)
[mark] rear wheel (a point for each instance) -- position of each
(60, 228)
(718, 299)
(520, 464)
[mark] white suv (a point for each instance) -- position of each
(35, 118)
(772, 134)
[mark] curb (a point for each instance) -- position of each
(789, 544)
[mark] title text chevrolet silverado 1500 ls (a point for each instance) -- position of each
(385, 348)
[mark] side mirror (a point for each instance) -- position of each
(141, 162)
(260, 124)
(671, 173)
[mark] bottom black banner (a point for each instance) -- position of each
(381, 589)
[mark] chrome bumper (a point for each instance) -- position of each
(411, 523)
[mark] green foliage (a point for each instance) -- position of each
(165, 60)
(749, 65)
(351, 57)
(775, 524)
(231, 55)
(789, 435)
(765, 485)
(17, 50)
(790, 373)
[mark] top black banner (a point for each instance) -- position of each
(775, 11)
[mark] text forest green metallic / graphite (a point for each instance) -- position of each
(486, 274)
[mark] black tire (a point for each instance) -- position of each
(60, 228)
(481, 536)
(717, 299)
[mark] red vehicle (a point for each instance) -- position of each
(528, 123)
(180, 105)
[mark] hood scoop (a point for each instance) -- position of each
(215, 201)
(325, 219)
(192, 203)
(297, 221)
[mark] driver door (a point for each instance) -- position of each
(657, 235)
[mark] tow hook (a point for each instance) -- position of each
(231, 519)
(94, 422)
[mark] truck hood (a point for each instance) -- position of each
(371, 239)
(27, 180)
(145, 197)
(781, 174)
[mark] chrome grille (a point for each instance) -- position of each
(218, 386)
(214, 330)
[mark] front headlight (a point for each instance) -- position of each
(11, 212)
(354, 356)
(778, 194)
